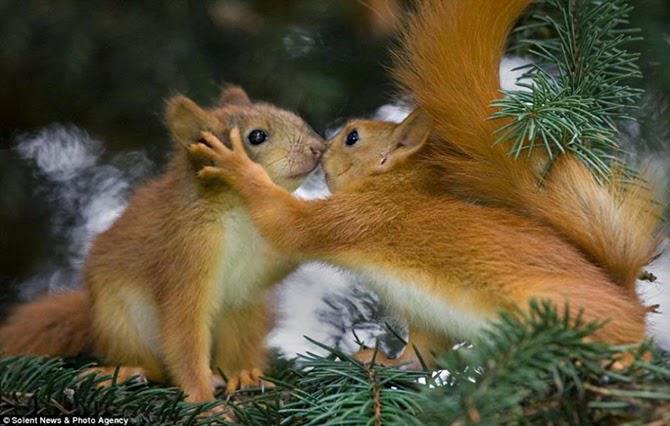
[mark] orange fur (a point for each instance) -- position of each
(57, 324)
(178, 283)
(468, 260)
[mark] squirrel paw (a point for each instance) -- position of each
(230, 164)
(626, 360)
(220, 412)
(246, 379)
(211, 148)
(124, 374)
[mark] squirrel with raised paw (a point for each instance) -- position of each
(446, 227)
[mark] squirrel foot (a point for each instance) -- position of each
(407, 360)
(222, 411)
(244, 379)
(626, 360)
(123, 375)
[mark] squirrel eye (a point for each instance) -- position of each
(352, 138)
(257, 137)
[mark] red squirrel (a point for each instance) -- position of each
(447, 228)
(176, 288)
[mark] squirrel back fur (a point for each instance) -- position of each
(449, 63)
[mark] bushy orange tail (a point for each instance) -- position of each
(616, 224)
(449, 63)
(53, 325)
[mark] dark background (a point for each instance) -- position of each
(109, 66)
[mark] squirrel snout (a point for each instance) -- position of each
(317, 150)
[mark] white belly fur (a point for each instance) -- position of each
(144, 314)
(458, 319)
(247, 261)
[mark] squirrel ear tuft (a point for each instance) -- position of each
(186, 120)
(234, 95)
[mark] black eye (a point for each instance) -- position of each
(257, 137)
(352, 138)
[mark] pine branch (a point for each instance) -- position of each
(527, 368)
(338, 389)
(577, 90)
(538, 368)
(48, 387)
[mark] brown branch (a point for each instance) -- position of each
(376, 394)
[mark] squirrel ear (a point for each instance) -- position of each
(407, 138)
(186, 120)
(234, 95)
(413, 131)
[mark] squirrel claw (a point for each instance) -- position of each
(246, 379)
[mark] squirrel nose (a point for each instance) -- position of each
(317, 151)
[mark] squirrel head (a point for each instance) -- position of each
(367, 147)
(277, 139)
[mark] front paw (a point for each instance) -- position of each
(227, 163)
(210, 147)
(231, 165)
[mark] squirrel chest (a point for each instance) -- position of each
(247, 264)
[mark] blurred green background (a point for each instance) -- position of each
(108, 67)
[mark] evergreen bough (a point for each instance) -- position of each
(538, 368)
(532, 368)
(52, 388)
(577, 90)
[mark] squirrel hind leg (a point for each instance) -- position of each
(125, 338)
(595, 300)
(240, 352)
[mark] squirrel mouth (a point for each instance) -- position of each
(303, 173)
(337, 174)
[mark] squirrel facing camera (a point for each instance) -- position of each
(366, 147)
